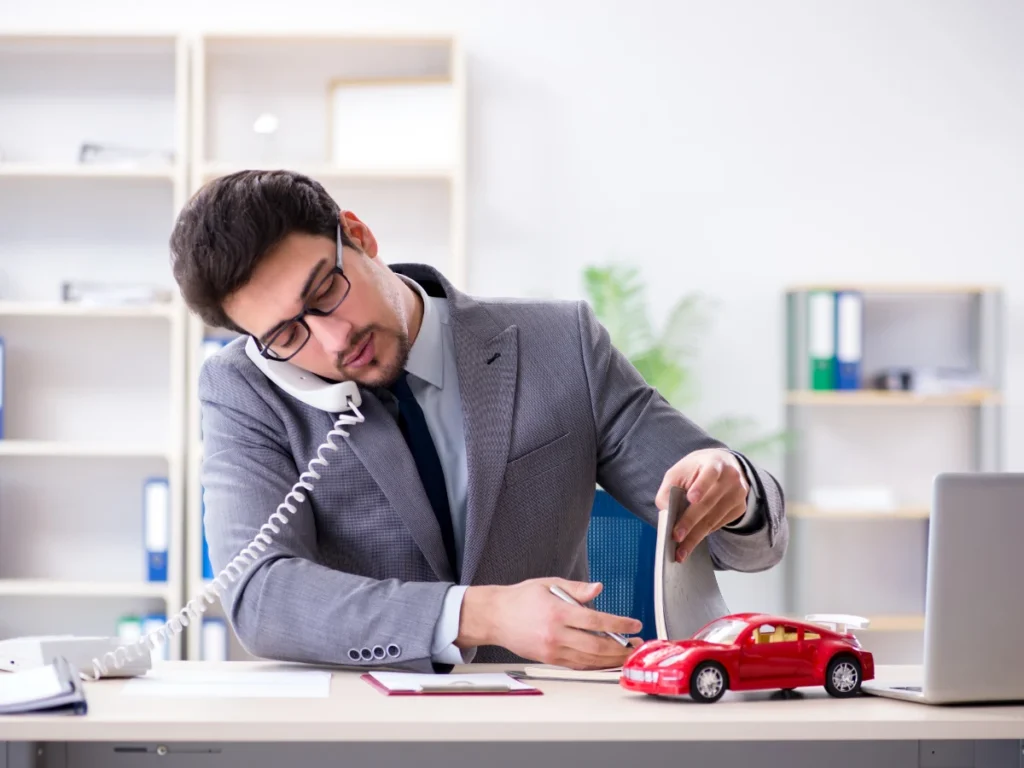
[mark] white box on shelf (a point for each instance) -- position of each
(393, 124)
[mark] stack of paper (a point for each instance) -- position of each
(686, 594)
(54, 688)
(554, 672)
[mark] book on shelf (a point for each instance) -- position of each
(686, 594)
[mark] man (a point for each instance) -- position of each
(433, 533)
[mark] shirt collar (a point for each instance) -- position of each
(426, 358)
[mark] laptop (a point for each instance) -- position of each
(974, 602)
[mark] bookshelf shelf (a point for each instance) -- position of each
(896, 623)
(900, 513)
(84, 171)
(57, 588)
(44, 448)
(84, 311)
(336, 172)
(909, 289)
(890, 398)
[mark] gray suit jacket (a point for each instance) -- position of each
(359, 574)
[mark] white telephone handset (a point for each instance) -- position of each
(336, 398)
(305, 386)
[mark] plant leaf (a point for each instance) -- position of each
(617, 296)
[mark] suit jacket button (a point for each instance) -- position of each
(394, 650)
(353, 654)
(367, 654)
(379, 652)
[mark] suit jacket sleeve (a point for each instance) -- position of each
(288, 606)
(640, 436)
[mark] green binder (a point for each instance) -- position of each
(821, 338)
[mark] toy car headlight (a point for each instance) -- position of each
(668, 662)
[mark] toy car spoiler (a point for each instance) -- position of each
(838, 622)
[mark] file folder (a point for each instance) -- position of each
(53, 689)
(214, 645)
(156, 512)
(849, 339)
(1, 387)
(821, 341)
(129, 629)
(151, 623)
(207, 564)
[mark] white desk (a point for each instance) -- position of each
(613, 723)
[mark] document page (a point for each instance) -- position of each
(29, 685)
(199, 684)
(413, 681)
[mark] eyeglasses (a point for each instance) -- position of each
(325, 298)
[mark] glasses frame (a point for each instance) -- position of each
(300, 318)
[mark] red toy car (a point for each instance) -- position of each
(750, 651)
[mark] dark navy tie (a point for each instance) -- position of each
(414, 428)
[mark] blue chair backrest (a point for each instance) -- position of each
(620, 548)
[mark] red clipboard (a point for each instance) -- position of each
(438, 687)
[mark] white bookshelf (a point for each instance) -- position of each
(871, 559)
(94, 396)
(415, 209)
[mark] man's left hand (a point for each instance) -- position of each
(716, 489)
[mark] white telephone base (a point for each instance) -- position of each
(29, 652)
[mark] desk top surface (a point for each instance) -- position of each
(568, 711)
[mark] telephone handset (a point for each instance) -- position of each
(338, 398)
(305, 386)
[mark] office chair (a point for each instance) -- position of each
(620, 548)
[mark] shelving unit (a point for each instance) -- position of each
(86, 423)
(871, 559)
(415, 210)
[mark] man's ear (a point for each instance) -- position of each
(359, 233)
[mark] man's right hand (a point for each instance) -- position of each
(531, 622)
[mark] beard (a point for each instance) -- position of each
(378, 372)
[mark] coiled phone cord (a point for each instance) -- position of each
(195, 607)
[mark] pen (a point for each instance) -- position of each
(561, 593)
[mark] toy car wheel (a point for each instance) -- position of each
(843, 676)
(708, 682)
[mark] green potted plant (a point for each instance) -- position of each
(666, 358)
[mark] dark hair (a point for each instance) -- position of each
(230, 224)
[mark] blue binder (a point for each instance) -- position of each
(207, 565)
(849, 339)
(151, 623)
(156, 520)
(214, 645)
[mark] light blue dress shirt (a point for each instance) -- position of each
(434, 381)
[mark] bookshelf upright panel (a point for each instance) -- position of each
(277, 101)
(92, 172)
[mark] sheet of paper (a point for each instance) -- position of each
(200, 684)
(414, 681)
(29, 685)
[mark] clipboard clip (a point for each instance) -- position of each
(462, 686)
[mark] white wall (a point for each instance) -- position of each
(729, 147)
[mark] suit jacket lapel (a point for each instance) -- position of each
(487, 365)
(486, 356)
(379, 444)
